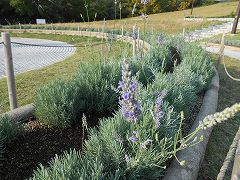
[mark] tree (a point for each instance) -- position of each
(235, 23)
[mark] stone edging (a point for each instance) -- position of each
(195, 154)
(236, 165)
(21, 114)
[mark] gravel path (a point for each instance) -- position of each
(27, 58)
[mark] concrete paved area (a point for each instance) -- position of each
(27, 58)
(233, 52)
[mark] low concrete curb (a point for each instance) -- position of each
(236, 165)
(21, 114)
(194, 155)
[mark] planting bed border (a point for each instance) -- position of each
(193, 156)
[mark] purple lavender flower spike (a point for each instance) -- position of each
(160, 39)
(133, 86)
(126, 96)
(131, 109)
(135, 34)
(158, 112)
(120, 85)
(134, 137)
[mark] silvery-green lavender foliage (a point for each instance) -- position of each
(9, 131)
(56, 103)
(159, 56)
(97, 81)
(140, 149)
(90, 91)
(67, 167)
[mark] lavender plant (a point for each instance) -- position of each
(140, 139)
(158, 112)
(130, 106)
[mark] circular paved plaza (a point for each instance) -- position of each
(27, 58)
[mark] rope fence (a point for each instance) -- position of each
(232, 153)
(63, 46)
(230, 157)
(34, 54)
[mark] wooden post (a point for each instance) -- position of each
(138, 40)
(134, 43)
(103, 29)
(52, 27)
(122, 31)
(221, 52)
(235, 23)
(192, 7)
(9, 70)
(183, 33)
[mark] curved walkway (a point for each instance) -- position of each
(27, 58)
(230, 51)
(210, 31)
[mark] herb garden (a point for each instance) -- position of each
(124, 118)
(147, 115)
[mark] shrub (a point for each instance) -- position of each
(67, 167)
(109, 147)
(91, 91)
(8, 129)
(56, 103)
(96, 81)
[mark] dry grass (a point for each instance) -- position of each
(171, 22)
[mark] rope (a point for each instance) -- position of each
(39, 45)
(230, 156)
(225, 68)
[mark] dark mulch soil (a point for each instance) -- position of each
(187, 124)
(40, 143)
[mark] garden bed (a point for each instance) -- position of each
(40, 143)
(154, 90)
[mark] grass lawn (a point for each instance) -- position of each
(28, 82)
(171, 22)
(230, 39)
(223, 134)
